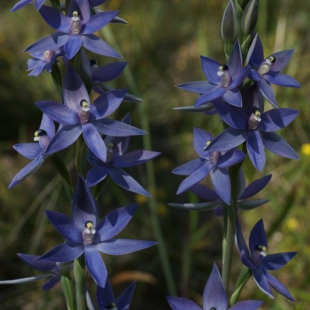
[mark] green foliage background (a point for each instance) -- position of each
(162, 44)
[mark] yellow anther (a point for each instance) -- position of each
(111, 145)
(89, 224)
(272, 58)
(257, 113)
(84, 103)
(75, 14)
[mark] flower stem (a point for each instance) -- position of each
(80, 287)
(228, 244)
(230, 215)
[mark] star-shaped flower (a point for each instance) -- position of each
(77, 116)
(259, 262)
(266, 71)
(85, 235)
(75, 30)
(214, 297)
(223, 79)
(215, 163)
(256, 127)
(35, 150)
(117, 158)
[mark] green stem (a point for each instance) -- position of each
(228, 243)
(230, 215)
(80, 287)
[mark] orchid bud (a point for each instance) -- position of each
(229, 27)
(249, 17)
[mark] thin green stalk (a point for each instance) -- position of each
(230, 215)
(228, 243)
(80, 286)
(163, 253)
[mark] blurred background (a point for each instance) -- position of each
(162, 44)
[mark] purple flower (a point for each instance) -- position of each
(106, 300)
(214, 201)
(52, 270)
(35, 151)
(75, 30)
(77, 116)
(214, 297)
(223, 79)
(85, 235)
(256, 127)
(215, 163)
(266, 71)
(20, 4)
(42, 61)
(259, 262)
(117, 158)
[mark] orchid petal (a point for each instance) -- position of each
(98, 21)
(275, 144)
(114, 223)
(123, 246)
(124, 180)
(96, 45)
(256, 149)
(94, 141)
(65, 226)
(95, 265)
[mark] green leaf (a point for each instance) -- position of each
(67, 288)
(243, 278)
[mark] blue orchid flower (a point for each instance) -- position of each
(35, 150)
(257, 260)
(117, 158)
(256, 127)
(85, 235)
(266, 71)
(215, 163)
(214, 297)
(75, 30)
(223, 80)
(77, 116)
